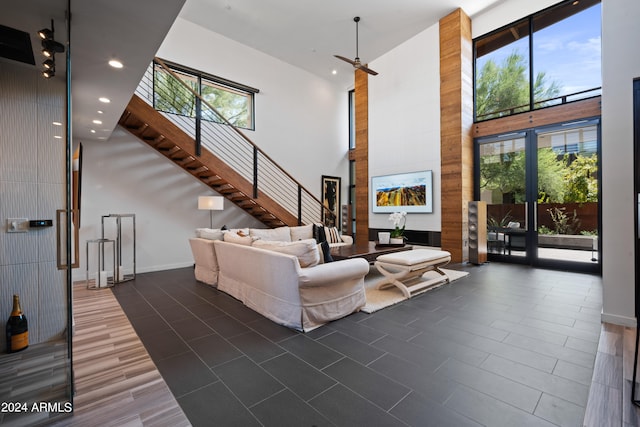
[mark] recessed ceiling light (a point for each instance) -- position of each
(97, 122)
(115, 63)
(334, 72)
(57, 137)
(93, 131)
(99, 111)
(105, 100)
(57, 124)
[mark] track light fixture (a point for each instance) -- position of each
(49, 49)
(46, 34)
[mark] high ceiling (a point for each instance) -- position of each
(308, 33)
(300, 32)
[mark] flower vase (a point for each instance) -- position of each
(383, 237)
(396, 240)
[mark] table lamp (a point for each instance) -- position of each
(211, 203)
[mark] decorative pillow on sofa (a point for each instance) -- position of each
(325, 252)
(280, 234)
(209, 233)
(301, 232)
(318, 233)
(305, 250)
(232, 237)
(333, 235)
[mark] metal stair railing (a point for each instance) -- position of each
(227, 142)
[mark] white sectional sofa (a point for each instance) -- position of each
(276, 286)
(204, 255)
(280, 273)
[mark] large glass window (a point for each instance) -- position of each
(231, 101)
(548, 58)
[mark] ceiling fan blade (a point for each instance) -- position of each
(346, 60)
(366, 70)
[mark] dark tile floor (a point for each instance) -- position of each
(507, 345)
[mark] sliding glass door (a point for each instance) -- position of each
(541, 188)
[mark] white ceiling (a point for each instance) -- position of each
(303, 33)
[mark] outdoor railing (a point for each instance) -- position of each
(559, 100)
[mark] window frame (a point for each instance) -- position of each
(222, 84)
(529, 22)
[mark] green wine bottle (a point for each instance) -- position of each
(17, 328)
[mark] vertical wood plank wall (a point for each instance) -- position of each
(361, 156)
(456, 125)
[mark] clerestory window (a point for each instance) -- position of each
(549, 58)
(224, 101)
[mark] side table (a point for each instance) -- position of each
(103, 278)
(130, 258)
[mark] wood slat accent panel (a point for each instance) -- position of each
(456, 124)
(361, 156)
(577, 110)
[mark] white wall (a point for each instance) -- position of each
(32, 186)
(620, 65)
(301, 119)
(124, 175)
(505, 13)
(404, 120)
(301, 122)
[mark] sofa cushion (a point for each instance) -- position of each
(318, 233)
(209, 233)
(232, 237)
(301, 232)
(332, 234)
(325, 252)
(280, 234)
(305, 250)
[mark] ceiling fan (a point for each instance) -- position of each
(356, 62)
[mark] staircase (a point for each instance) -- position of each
(226, 161)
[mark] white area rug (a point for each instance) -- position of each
(379, 299)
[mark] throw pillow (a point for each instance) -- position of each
(301, 232)
(333, 235)
(209, 233)
(305, 250)
(280, 234)
(238, 239)
(318, 233)
(326, 252)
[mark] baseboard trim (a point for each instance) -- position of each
(78, 276)
(618, 320)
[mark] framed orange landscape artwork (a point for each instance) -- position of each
(411, 192)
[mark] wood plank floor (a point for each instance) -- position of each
(116, 382)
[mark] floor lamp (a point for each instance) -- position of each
(211, 203)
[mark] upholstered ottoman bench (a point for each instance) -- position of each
(402, 268)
